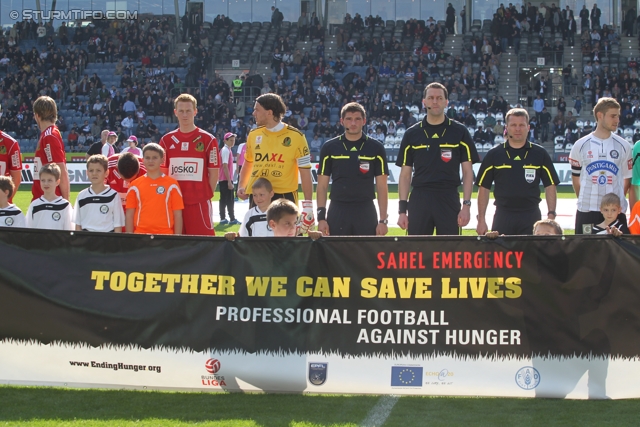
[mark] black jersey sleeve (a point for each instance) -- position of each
(485, 174)
(548, 172)
(325, 160)
(468, 152)
(405, 154)
(382, 167)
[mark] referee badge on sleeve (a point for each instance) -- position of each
(364, 167)
(529, 175)
(445, 155)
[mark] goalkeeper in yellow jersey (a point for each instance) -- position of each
(279, 153)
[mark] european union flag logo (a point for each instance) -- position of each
(406, 376)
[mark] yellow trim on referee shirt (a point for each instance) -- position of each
(468, 151)
(550, 176)
(483, 175)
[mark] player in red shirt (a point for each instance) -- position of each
(10, 159)
(124, 168)
(192, 157)
(50, 147)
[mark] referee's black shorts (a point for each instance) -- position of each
(292, 196)
(433, 209)
(352, 219)
(515, 223)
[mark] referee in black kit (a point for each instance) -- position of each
(434, 150)
(516, 167)
(353, 161)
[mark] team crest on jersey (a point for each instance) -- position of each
(185, 146)
(529, 175)
(160, 190)
(8, 222)
(445, 155)
(614, 154)
(3, 149)
(258, 139)
(589, 154)
(56, 216)
(104, 209)
(200, 147)
(287, 142)
(364, 167)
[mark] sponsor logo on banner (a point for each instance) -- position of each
(445, 155)
(444, 377)
(364, 167)
(318, 373)
(406, 376)
(186, 169)
(529, 175)
(528, 378)
(212, 366)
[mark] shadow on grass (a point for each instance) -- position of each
(268, 410)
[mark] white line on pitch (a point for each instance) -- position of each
(380, 412)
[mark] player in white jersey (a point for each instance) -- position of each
(601, 163)
(255, 222)
(98, 208)
(50, 211)
(10, 214)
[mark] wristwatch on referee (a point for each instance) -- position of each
(552, 213)
(383, 221)
(466, 203)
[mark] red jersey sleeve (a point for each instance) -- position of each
(53, 149)
(213, 155)
(15, 158)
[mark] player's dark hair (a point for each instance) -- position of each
(436, 85)
(100, 160)
(128, 165)
(610, 199)
(273, 103)
(353, 107)
(6, 184)
(52, 169)
(280, 208)
(550, 223)
(262, 183)
(152, 146)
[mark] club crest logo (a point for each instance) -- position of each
(445, 155)
(160, 190)
(364, 167)
(287, 142)
(104, 209)
(318, 373)
(8, 222)
(529, 175)
(200, 147)
(56, 216)
(3, 149)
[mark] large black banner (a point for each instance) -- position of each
(514, 296)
